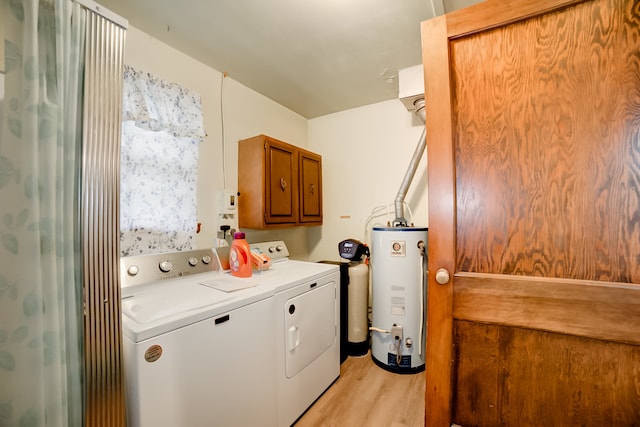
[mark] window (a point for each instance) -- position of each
(161, 131)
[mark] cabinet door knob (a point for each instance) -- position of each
(313, 188)
(283, 184)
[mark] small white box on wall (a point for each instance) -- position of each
(228, 201)
(411, 81)
(411, 85)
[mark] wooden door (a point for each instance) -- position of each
(533, 135)
(281, 183)
(310, 167)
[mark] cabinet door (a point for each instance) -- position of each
(310, 165)
(281, 183)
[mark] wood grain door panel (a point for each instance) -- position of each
(522, 377)
(547, 156)
(282, 181)
(310, 166)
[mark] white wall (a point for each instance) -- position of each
(365, 151)
(365, 154)
(246, 113)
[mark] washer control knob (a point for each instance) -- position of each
(133, 270)
(165, 266)
(193, 261)
(206, 259)
(272, 249)
(279, 248)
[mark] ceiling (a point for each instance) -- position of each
(314, 57)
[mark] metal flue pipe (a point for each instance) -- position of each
(400, 220)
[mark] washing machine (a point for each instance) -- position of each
(199, 345)
(307, 324)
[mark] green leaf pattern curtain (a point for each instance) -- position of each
(40, 278)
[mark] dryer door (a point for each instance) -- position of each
(310, 326)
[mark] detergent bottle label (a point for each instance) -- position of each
(234, 261)
(239, 259)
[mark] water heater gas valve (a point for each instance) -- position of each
(396, 332)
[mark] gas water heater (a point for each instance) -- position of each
(399, 272)
(398, 313)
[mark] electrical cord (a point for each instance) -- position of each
(423, 284)
(224, 159)
(377, 212)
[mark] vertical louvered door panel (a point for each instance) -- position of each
(104, 382)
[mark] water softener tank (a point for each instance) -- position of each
(358, 295)
(358, 329)
(398, 316)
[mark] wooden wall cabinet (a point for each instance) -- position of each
(280, 185)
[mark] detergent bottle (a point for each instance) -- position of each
(240, 256)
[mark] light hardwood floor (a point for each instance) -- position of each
(366, 395)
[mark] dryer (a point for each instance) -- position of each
(307, 325)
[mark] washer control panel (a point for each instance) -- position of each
(141, 269)
(276, 250)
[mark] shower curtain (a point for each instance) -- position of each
(41, 348)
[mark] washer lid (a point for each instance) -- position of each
(151, 306)
(157, 308)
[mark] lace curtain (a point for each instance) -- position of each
(162, 129)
